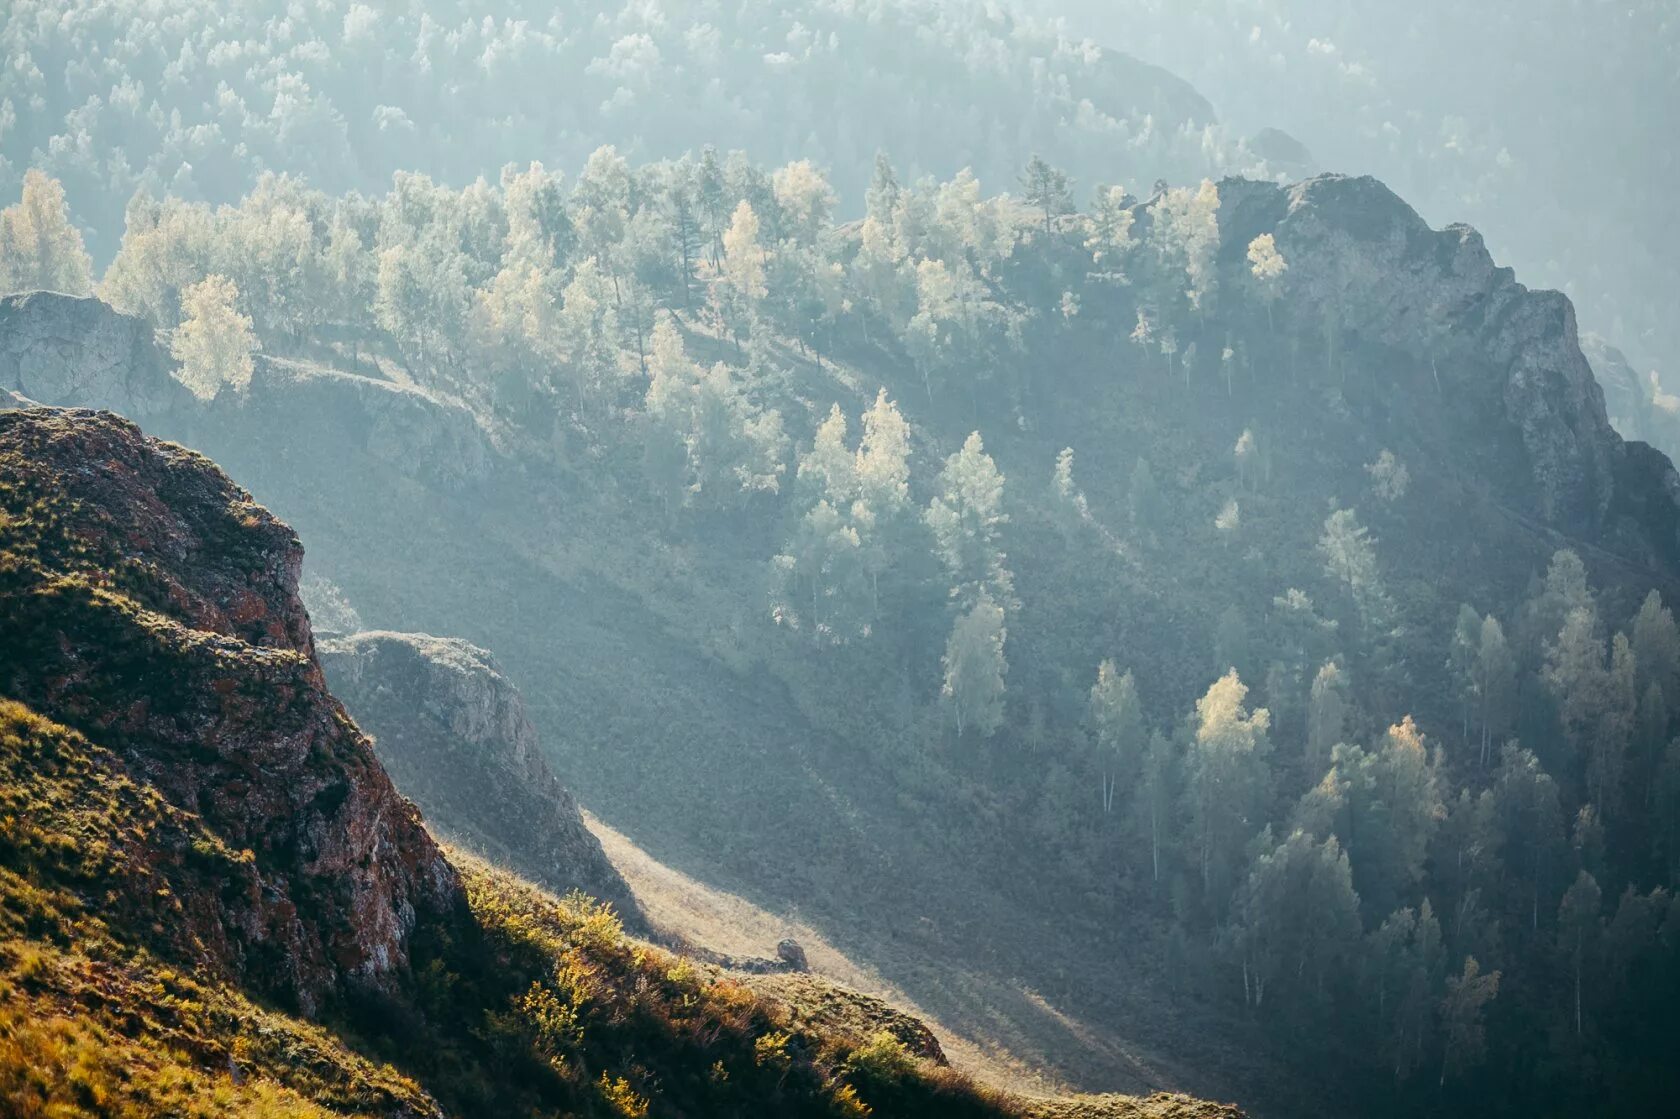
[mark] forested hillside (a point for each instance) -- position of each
(200, 102)
(1466, 118)
(965, 576)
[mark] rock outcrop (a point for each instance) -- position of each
(148, 603)
(1509, 374)
(295, 414)
(64, 351)
(77, 351)
(1636, 403)
(452, 731)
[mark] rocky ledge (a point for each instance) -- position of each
(452, 731)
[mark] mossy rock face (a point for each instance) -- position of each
(150, 604)
(200, 852)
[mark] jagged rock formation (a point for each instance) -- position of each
(452, 731)
(1507, 361)
(1635, 402)
(150, 604)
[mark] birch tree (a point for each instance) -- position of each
(39, 248)
(975, 667)
(214, 342)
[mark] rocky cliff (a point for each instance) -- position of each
(452, 731)
(148, 603)
(1505, 361)
(1636, 403)
(60, 349)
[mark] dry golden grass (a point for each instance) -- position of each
(688, 911)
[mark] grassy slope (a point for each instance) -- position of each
(110, 1003)
(97, 1017)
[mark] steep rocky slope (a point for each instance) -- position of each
(757, 767)
(1506, 361)
(57, 349)
(151, 604)
(1636, 402)
(451, 730)
(199, 853)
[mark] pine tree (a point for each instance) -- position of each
(1152, 811)
(1267, 266)
(828, 472)
(805, 200)
(1327, 713)
(1580, 927)
(823, 566)
(881, 201)
(1494, 680)
(742, 271)
(730, 447)
(1110, 241)
(1228, 783)
(966, 516)
(1406, 959)
(1462, 1010)
(1350, 558)
(1298, 918)
(1069, 500)
(1525, 828)
(1394, 808)
(1046, 189)
(883, 488)
(1656, 646)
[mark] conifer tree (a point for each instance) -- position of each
(966, 516)
(1228, 782)
(1327, 714)
(1494, 681)
(1046, 189)
(1267, 266)
(1463, 1011)
(1298, 919)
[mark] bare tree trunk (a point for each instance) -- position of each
(1155, 838)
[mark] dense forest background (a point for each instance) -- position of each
(1358, 746)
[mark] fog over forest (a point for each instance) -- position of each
(838, 558)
